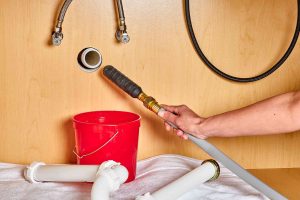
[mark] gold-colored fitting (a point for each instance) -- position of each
(149, 102)
(217, 167)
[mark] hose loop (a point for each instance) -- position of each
(234, 78)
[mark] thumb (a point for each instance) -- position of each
(168, 116)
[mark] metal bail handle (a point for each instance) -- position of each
(88, 154)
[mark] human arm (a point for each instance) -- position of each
(279, 114)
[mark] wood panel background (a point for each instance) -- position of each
(42, 86)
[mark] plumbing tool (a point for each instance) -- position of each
(149, 102)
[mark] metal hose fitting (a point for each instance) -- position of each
(57, 37)
(57, 34)
(149, 102)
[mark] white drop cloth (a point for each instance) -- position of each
(152, 174)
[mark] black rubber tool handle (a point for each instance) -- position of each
(122, 81)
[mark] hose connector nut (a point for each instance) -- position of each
(149, 102)
(122, 36)
(57, 38)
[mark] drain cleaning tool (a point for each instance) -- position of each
(149, 102)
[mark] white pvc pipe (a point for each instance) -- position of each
(66, 173)
(90, 59)
(107, 178)
(108, 181)
(189, 181)
(100, 189)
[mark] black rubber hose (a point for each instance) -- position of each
(122, 81)
(234, 78)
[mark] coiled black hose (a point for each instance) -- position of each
(234, 78)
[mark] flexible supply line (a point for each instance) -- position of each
(230, 77)
(57, 34)
(62, 13)
(121, 33)
(149, 102)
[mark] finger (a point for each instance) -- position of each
(179, 133)
(168, 116)
(184, 136)
(173, 109)
(168, 127)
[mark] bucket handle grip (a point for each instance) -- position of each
(88, 154)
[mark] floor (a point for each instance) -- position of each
(285, 181)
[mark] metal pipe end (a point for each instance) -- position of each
(122, 36)
(57, 38)
(217, 168)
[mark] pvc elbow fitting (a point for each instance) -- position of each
(109, 178)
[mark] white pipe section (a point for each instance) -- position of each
(108, 181)
(107, 178)
(90, 59)
(207, 171)
(65, 173)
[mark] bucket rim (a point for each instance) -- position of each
(104, 124)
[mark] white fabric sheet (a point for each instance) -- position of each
(152, 174)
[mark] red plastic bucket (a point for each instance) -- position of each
(107, 135)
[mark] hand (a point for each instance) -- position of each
(184, 118)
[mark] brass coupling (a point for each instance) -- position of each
(149, 102)
(217, 168)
